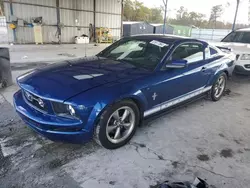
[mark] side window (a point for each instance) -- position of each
(210, 52)
(213, 51)
(192, 52)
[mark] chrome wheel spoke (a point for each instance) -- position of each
(216, 92)
(117, 133)
(116, 115)
(126, 125)
(125, 114)
(111, 128)
(216, 89)
(220, 81)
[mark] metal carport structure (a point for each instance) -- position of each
(68, 17)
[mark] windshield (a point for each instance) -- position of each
(140, 53)
(240, 37)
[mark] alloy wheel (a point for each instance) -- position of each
(219, 86)
(120, 124)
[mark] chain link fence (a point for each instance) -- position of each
(209, 34)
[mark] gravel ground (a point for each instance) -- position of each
(205, 139)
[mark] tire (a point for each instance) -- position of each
(215, 95)
(105, 133)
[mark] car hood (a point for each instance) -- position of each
(238, 48)
(60, 81)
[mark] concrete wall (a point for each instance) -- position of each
(75, 15)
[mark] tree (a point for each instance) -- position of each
(196, 18)
(128, 10)
(156, 15)
(181, 13)
(136, 11)
(142, 13)
(216, 13)
(1, 8)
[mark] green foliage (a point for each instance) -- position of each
(183, 17)
(216, 13)
(135, 10)
(1, 8)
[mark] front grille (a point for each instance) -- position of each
(35, 101)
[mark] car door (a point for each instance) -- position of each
(179, 82)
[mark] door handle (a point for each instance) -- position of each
(203, 69)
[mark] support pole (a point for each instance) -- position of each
(122, 12)
(165, 2)
(236, 13)
(94, 25)
(59, 31)
(11, 12)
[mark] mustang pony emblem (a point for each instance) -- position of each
(154, 96)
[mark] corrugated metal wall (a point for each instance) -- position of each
(109, 15)
(3, 30)
(7, 14)
(75, 15)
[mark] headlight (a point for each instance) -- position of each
(61, 109)
(245, 57)
(71, 110)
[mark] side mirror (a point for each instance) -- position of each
(177, 64)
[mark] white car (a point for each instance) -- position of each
(239, 42)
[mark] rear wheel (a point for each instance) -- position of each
(219, 87)
(117, 125)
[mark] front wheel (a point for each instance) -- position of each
(219, 87)
(117, 124)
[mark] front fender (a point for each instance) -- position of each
(138, 97)
(99, 99)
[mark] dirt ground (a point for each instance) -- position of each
(206, 139)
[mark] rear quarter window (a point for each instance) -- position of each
(213, 51)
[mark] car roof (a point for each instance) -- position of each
(244, 29)
(168, 38)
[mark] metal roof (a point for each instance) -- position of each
(155, 24)
(131, 22)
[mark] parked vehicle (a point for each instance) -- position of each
(239, 42)
(107, 96)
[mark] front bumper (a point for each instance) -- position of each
(242, 67)
(241, 70)
(51, 126)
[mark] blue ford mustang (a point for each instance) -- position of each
(107, 96)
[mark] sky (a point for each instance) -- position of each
(204, 6)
